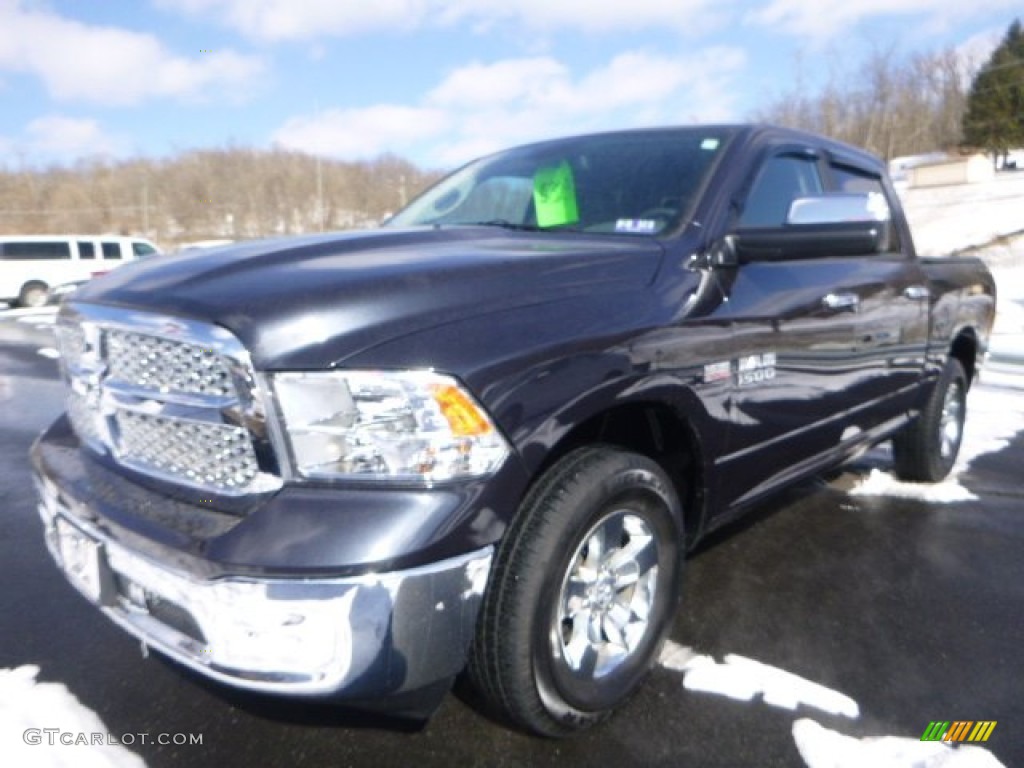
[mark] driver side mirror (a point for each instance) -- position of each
(832, 225)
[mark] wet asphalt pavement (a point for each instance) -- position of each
(915, 611)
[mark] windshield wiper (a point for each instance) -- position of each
(506, 224)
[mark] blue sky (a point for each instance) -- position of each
(436, 82)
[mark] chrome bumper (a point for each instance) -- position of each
(365, 637)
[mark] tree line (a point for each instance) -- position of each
(231, 193)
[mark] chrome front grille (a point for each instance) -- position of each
(166, 366)
(213, 455)
(168, 397)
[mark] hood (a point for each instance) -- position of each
(310, 302)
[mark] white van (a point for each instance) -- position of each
(31, 264)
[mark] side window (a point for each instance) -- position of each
(37, 251)
(142, 249)
(854, 180)
(86, 250)
(781, 180)
(111, 251)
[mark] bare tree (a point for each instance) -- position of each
(230, 192)
(889, 103)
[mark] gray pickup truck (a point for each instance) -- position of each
(483, 438)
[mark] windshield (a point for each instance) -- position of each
(634, 183)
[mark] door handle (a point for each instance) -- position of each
(917, 292)
(841, 302)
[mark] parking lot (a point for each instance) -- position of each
(830, 627)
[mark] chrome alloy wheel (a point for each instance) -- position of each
(951, 424)
(607, 595)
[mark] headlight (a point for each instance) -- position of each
(402, 426)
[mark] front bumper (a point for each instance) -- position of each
(366, 637)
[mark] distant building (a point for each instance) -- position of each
(953, 170)
(901, 167)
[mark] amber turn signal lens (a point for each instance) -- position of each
(464, 418)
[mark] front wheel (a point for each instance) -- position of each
(926, 450)
(584, 589)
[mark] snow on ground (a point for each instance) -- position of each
(27, 707)
(823, 748)
(994, 416)
(742, 679)
(944, 219)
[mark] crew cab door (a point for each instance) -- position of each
(797, 352)
(892, 310)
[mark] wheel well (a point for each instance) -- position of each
(653, 430)
(965, 349)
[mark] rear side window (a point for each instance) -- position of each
(86, 250)
(111, 251)
(781, 180)
(26, 251)
(854, 180)
(143, 249)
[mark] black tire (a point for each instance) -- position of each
(545, 654)
(926, 449)
(33, 295)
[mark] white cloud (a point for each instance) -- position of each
(823, 19)
(109, 65)
(362, 132)
(483, 107)
(684, 16)
(57, 137)
(483, 86)
(304, 19)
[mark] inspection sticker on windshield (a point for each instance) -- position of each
(710, 144)
(636, 226)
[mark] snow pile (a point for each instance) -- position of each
(822, 748)
(994, 417)
(742, 679)
(879, 483)
(27, 707)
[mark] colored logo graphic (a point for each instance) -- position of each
(959, 730)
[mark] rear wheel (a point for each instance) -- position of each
(32, 295)
(584, 589)
(926, 450)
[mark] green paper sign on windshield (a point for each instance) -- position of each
(554, 196)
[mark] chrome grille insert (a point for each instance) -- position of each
(215, 455)
(168, 397)
(166, 366)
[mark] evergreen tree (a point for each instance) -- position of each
(994, 120)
